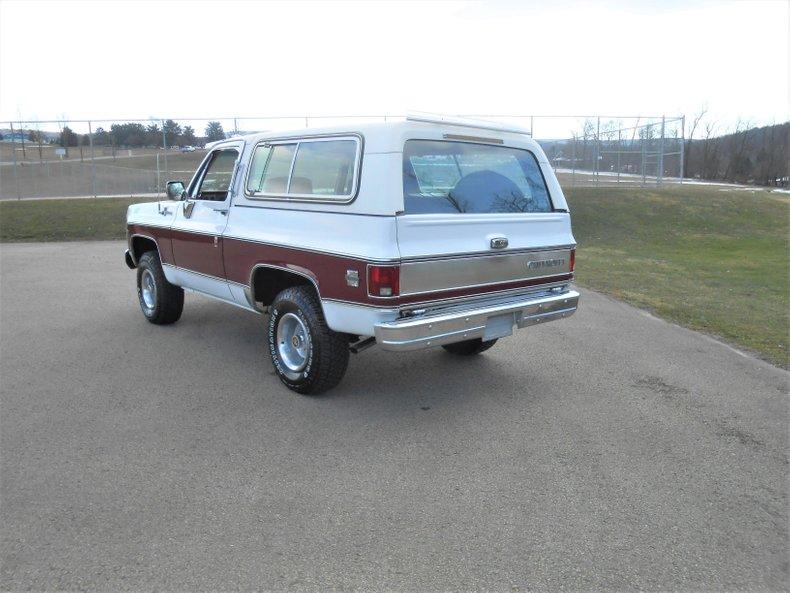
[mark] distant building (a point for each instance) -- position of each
(15, 137)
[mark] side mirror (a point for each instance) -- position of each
(175, 190)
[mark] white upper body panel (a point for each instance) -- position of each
(379, 231)
(380, 190)
(158, 214)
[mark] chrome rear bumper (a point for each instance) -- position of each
(427, 331)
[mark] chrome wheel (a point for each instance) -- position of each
(148, 289)
(293, 343)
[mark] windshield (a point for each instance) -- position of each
(462, 177)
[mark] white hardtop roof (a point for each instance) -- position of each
(389, 136)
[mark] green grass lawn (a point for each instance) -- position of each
(709, 258)
(64, 220)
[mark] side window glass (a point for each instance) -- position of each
(324, 168)
(216, 180)
(260, 159)
(270, 168)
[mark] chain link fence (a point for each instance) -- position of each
(93, 158)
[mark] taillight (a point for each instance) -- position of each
(573, 259)
(383, 281)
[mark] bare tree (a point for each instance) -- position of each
(694, 123)
(738, 165)
(710, 167)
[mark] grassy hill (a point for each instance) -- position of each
(709, 258)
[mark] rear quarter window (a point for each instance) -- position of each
(309, 168)
(463, 178)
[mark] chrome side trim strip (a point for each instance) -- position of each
(356, 257)
(131, 251)
(248, 287)
(284, 269)
(156, 226)
(459, 300)
(307, 250)
(221, 300)
(194, 232)
(489, 253)
(261, 207)
(209, 276)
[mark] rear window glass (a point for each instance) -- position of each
(462, 177)
(321, 168)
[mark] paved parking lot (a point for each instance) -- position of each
(608, 451)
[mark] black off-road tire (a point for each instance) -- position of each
(326, 359)
(469, 347)
(168, 299)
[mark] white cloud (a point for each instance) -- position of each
(135, 59)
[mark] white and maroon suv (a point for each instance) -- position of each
(413, 234)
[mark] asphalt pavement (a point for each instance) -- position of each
(608, 451)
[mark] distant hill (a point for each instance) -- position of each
(758, 155)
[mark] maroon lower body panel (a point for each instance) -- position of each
(198, 252)
(328, 271)
(160, 235)
(235, 259)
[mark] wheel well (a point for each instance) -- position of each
(267, 283)
(142, 244)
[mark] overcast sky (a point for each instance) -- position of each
(191, 59)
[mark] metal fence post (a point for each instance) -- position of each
(597, 151)
(619, 149)
(22, 137)
(644, 137)
(660, 165)
(40, 151)
(164, 146)
(573, 162)
(16, 172)
(682, 148)
(93, 160)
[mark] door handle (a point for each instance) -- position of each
(223, 212)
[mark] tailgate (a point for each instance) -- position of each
(451, 253)
(480, 216)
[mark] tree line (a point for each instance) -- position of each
(750, 155)
(136, 135)
(132, 135)
(759, 155)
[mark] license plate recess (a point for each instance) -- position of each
(499, 326)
